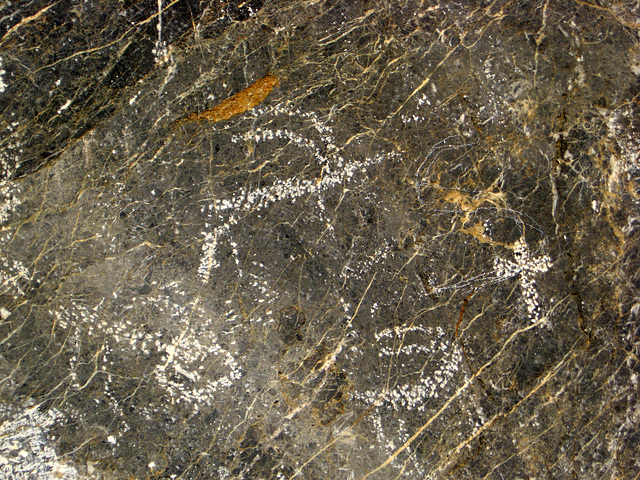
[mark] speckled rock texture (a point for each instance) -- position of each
(319, 239)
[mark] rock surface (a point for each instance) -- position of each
(410, 250)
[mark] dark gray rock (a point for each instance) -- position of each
(416, 257)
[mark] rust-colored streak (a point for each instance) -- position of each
(464, 307)
(238, 103)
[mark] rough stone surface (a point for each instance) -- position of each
(416, 256)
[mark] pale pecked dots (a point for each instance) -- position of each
(193, 366)
(3, 85)
(526, 267)
(623, 125)
(435, 362)
(360, 269)
(418, 116)
(189, 361)
(210, 247)
(12, 271)
(9, 190)
(335, 171)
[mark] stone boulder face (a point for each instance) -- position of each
(325, 239)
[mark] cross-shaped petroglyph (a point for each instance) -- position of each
(527, 267)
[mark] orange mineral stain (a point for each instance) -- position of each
(238, 103)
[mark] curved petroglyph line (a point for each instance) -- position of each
(194, 367)
(413, 395)
(335, 171)
(12, 271)
(458, 393)
(469, 380)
